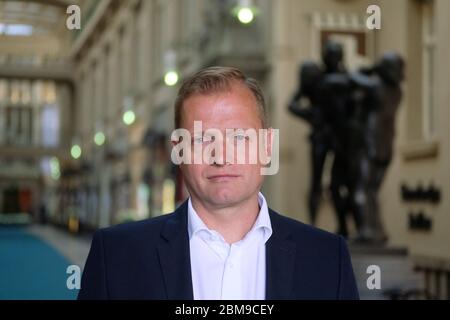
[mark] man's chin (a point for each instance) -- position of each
(227, 198)
(224, 201)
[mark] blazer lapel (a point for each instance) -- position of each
(174, 256)
(280, 258)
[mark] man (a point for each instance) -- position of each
(223, 242)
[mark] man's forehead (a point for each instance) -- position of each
(234, 106)
(220, 103)
(229, 90)
(209, 131)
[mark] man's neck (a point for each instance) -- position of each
(233, 222)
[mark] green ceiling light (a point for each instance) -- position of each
(129, 117)
(244, 11)
(171, 75)
(54, 168)
(99, 138)
(245, 15)
(75, 151)
(171, 78)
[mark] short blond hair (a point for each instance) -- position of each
(215, 80)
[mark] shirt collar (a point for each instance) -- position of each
(196, 224)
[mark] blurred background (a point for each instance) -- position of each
(86, 116)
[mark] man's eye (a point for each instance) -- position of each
(240, 137)
(203, 139)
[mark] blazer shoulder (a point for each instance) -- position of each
(136, 226)
(302, 230)
(136, 229)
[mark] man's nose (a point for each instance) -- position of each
(220, 159)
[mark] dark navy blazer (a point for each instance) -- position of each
(150, 260)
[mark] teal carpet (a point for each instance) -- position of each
(30, 268)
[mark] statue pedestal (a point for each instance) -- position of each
(396, 270)
(373, 249)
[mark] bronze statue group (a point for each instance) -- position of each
(352, 117)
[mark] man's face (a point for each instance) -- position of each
(222, 184)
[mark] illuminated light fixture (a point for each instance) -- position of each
(73, 224)
(245, 15)
(170, 62)
(75, 151)
(55, 172)
(99, 138)
(129, 117)
(244, 11)
(171, 78)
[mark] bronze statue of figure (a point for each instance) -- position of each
(306, 104)
(352, 116)
(382, 101)
(364, 107)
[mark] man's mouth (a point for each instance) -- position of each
(222, 177)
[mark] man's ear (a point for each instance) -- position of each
(269, 141)
(175, 139)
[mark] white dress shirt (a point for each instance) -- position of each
(224, 271)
